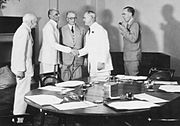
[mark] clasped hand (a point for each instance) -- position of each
(74, 52)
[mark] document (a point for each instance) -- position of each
(131, 105)
(44, 99)
(99, 79)
(57, 89)
(170, 88)
(126, 77)
(166, 82)
(74, 105)
(70, 84)
(149, 98)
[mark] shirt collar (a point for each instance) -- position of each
(131, 21)
(27, 26)
(53, 22)
(70, 26)
(93, 25)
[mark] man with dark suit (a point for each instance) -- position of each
(73, 37)
(131, 32)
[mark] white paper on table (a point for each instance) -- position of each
(149, 98)
(131, 105)
(126, 77)
(44, 99)
(74, 105)
(166, 82)
(99, 79)
(70, 83)
(58, 89)
(170, 88)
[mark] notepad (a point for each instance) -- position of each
(44, 99)
(170, 88)
(149, 98)
(74, 105)
(166, 82)
(57, 89)
(70, 84)
(126, 77)
(131, 105)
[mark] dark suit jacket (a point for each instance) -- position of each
(132, 42)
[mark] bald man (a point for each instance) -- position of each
(21, 61)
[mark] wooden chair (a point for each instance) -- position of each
(46, 79)
(163, 74)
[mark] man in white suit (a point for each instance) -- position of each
(49, 55)
(97, 48)
(21, 61)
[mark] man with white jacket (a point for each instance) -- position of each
(97, 48)
(21, 62)
(49, 53)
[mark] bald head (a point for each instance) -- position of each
(30, 20)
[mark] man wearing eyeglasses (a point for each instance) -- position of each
(49, 55)
(73, 37)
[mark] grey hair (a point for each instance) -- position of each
(70, 12)
(29, 17)
(92, 14)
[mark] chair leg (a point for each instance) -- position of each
(62, 121)
(42, 116)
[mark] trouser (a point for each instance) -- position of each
(100, 76)
(46, 68)
(71, 72)
(22, 87)
(131, 68)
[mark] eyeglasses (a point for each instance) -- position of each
(71, 18)
(57, 14)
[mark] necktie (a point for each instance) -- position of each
(89, 30)
(72, 29)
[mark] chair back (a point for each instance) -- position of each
(163, 74)
(50, 78)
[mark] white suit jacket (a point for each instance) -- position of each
(21, 57)
(50, 44)
(97, 48)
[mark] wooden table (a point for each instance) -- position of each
(95, 93)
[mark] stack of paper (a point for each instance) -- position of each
(44, 99)
(126, 77)
(58, 89)
(166, 82)
(74, 105)
(70, 84)
(170, 88)
(131, 105)
(149, 98)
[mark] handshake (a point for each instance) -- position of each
(74, 52)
